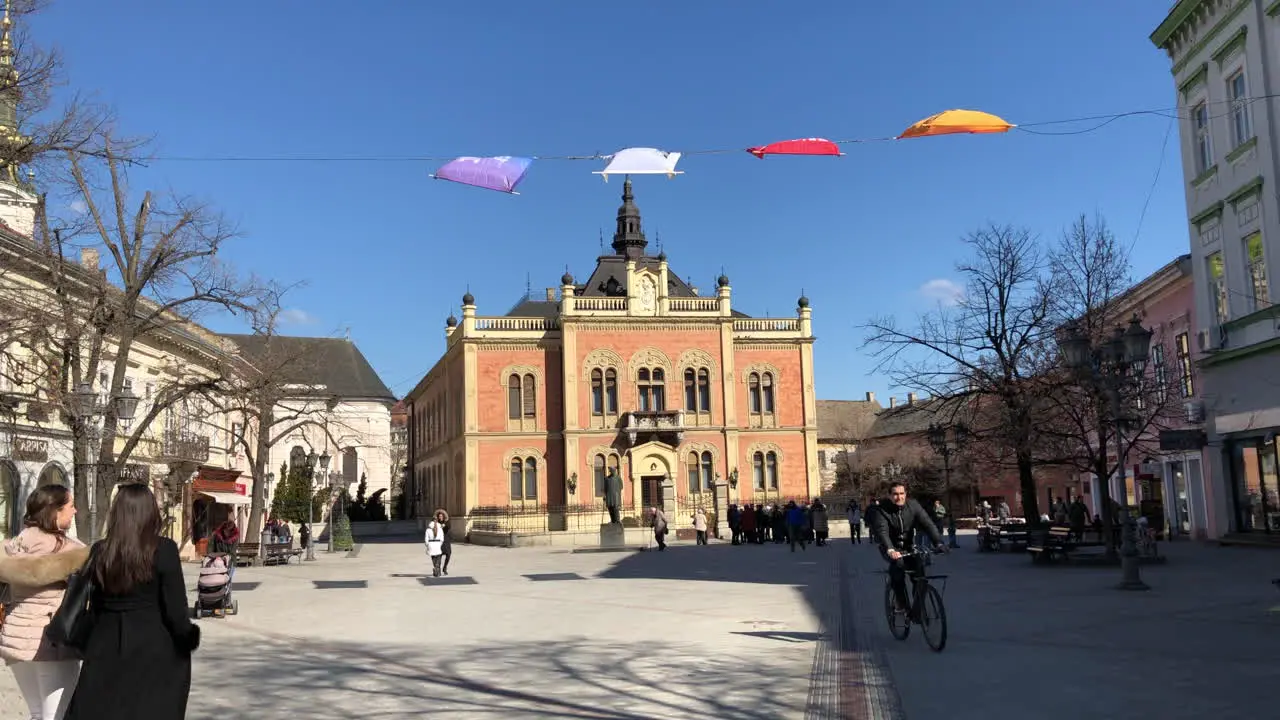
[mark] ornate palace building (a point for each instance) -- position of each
(691, 401)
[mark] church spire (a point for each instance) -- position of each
(628, 239)
(8, 74)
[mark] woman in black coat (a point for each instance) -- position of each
(137, 660)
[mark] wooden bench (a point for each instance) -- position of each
(276, 553)
(247, 553)
(1051, 543)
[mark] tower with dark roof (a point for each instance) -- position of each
(628, 238)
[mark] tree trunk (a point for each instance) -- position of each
(261, 452)
(80, 454)
(1027, 482)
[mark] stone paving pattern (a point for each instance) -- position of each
(733, 632)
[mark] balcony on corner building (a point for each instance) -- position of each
(645, 425)
(184, 446)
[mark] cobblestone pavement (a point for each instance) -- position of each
(732, 632)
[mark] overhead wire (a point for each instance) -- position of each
(1098, 122)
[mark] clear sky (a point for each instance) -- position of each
(388, 252)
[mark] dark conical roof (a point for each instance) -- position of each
(628, 238)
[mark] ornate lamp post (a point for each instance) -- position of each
(88, 409)
(322, 461)
(1111, 368)
(948, 442)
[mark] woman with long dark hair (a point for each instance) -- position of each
(35, 566)
(137, 659)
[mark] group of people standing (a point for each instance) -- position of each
(794, 523)
(134, 659)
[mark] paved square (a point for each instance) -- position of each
(732, 632)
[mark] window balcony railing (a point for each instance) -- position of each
(650, 422)
(184, 446)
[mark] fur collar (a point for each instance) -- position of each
(41, 570)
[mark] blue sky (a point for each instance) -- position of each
(388, 252)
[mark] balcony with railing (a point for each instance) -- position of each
(645, 425)
(183, 446)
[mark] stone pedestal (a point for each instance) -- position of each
(669, 497)
(722, 507)
(613, 535)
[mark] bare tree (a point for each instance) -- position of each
(274, 399)
(987, 350)
(1086, 413)
(162, 272)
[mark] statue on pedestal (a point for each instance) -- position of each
(613, 495)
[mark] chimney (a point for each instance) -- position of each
(89, 258)
(893, 401)
(551, 294)
(911, 398)
(871, 397)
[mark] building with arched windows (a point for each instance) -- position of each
(690, 401)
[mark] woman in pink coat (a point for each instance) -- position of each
(35, 567)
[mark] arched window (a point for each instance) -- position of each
(513, 397)
(530, 479)
(704, 390)
(771, 469)
(517, 479)
(530, 396)
(651, 388)
(690, 390)
(597, 392)
(598, 474)
(611, 391)
(614, 465)
(695, 482)
(708, 470)
(766, 386)
(753, 393)
(9, 514)
(757, 471)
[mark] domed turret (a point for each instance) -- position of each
(468, 299)
(451, 321)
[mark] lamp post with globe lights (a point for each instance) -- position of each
(1112, 368)
(87, 408)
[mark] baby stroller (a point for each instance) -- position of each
(213, 589)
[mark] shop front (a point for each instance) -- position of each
(1255, 484)
(216, 497)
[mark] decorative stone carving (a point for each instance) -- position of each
(760, 368)
(602, 358)
(526, 452)
(764, 447)
(648, 296)
(696, 358)
(520, 370)
(649, 357)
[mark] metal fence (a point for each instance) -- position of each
(533, 519)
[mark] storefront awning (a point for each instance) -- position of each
(227, 498)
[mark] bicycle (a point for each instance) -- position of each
(926, 607)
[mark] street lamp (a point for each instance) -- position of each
(1111, 367)
(312, 461)
(947, 444)
(85, 405)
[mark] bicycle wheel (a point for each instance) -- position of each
(933, 619)
(899, 624)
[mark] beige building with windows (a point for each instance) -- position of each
(1225, 58)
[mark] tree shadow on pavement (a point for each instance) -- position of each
(262, 674)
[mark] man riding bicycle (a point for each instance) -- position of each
(894, 525)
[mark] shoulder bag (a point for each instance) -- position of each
(72, 624)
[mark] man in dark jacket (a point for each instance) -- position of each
(894, 525)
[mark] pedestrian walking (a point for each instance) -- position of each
(700, 525)
(435, 540)
(821, 523)
(660, 528)
(35, 568)
(794, 517)
(855, 521)
(446, 548)
(137, 656)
